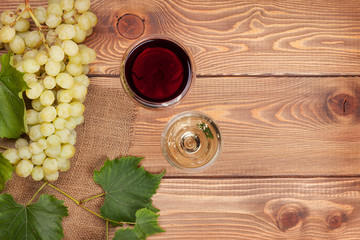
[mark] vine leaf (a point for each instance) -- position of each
(41, 220)
(146, 225)
(127, 187)
(12, 107)
(6, 170)
(126, 234)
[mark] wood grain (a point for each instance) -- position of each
(287, 37)
(248, 208)
(270, 126)
(243, 37)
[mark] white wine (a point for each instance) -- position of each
(191, 141)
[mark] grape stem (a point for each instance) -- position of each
(37, 192)
(3, 147)
(64, 193)
(82, 206)
(90, 198)
(36, 21)
(107, 230)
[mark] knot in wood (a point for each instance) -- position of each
(289, 216)
(335, 220)
(342, 104)
(130, 26)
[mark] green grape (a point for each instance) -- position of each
(38, 159)
(32, 117)
(24, 152)
(48, 114)
(24, 168)
(47, 129)
(64, 164)
(7, 34)
(84, 22)
(59, 123)
(70, 47)
(49, 82)
(54, 9)
(65, 80)
(34, 91)
(50, 166)
(33, 39)
(41, 14)
(92, 17)
(63, 110)
(21, 142)
(17, 45)
(12, 155)
(41, 57)
(53, 151)
(83, 80)
(7, 17)
(76, 58)
(56, 53)
(67, 151)
(47, 98)
(64, 96)
(53, 140)
(52, 177)
(22, 25)
(52, 67)
(80, 34)
(37, 173)
(74, 69)
(31, 66)
(64, 135)
(31, 54)
(16, 59)
(66, 31)
(82, 5)
(30, 78)
(78, 91)
(77, 109)
(69, 16)
(52, 21)
(35, 104)
(35, 148)
(87, 55)
(67, 5)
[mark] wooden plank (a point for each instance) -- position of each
(247, 37)
(259, 208)
(270, 126)
(243, 37)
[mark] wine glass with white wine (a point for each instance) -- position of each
(191, 141)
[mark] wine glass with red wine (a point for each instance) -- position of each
(157, 71)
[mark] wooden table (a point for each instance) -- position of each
(281, 78)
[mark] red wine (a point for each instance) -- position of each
(158, 70)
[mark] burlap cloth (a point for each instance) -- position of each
(106, 133)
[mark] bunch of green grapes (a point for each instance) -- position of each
(55, 66)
